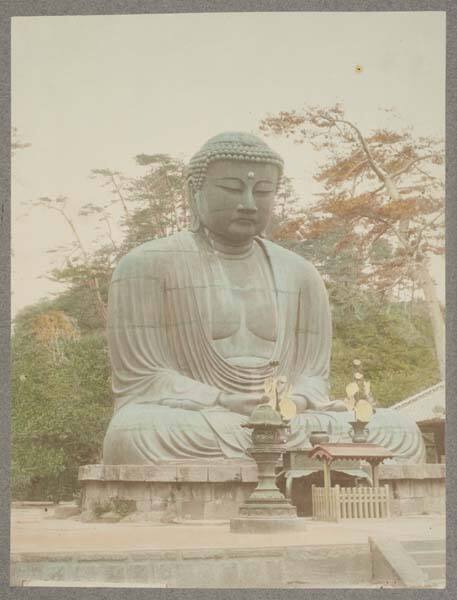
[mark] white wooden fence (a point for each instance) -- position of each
(335, 503)
(325, 503)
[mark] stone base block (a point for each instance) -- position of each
(415, 489)
(188, 490)
(266, 524)
(65, 512)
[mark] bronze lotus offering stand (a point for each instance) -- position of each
(360, 400)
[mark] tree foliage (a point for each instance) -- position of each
(61, 402)
(396, 349)
(61, 376)
(382, 199)
(385, 185)
(158, 198)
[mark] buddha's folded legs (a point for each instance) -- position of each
(389, 429)
(146, 433)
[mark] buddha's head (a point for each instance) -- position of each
(232, 182)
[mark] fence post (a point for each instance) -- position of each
(337, 502)
(387, 500)
(344, 503)
(327, 489)
(313, 501)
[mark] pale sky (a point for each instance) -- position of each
(93, 91)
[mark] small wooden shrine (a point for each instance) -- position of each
(335, 503)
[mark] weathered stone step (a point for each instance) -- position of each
(97, 584)
(223, 567)
(435, 572)
(433, 557)
(424, 545)
(436, 583)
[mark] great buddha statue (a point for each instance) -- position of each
(197, 321)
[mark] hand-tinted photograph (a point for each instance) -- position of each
(228, 303)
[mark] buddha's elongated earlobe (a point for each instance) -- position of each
(195, 223)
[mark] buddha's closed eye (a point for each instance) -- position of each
(230, 188)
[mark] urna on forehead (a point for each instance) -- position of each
(232, 145)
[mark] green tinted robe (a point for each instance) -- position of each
(159, 320)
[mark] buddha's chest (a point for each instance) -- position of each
(242, 302)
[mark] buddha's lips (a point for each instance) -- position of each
(245, 220)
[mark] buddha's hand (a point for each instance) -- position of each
(242, 403)
(338, 406)
(303, 404)
(183, 403)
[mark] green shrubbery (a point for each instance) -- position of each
(396, 349)
(60, 409)
(120, 506)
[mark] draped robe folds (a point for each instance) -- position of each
(159, 317)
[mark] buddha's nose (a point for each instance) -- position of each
(248, 205)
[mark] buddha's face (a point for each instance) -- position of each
(236, 199)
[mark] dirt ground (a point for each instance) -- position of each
(35, 530)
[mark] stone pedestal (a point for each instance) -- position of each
(271, 524)
(200, 490)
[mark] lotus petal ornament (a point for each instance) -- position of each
(352, 389)
(270, 390)
(287, 406)
(363, 411)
